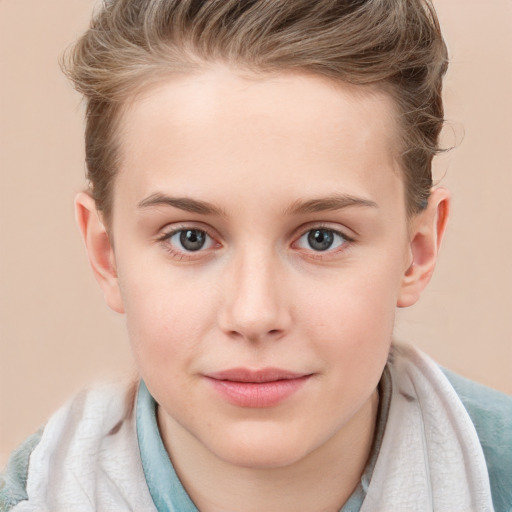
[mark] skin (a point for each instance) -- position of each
(253, 149)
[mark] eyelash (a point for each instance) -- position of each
(329, 252)
(184, 255)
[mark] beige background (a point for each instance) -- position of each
(56, 334)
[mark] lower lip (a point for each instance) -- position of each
(258, 394)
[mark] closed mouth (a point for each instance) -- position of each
(255, 376)
(257, 388)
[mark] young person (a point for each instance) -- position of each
(260, 203)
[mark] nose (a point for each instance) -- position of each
(256, 305)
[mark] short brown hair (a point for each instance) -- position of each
(393, 44)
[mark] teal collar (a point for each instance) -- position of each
(164, 485)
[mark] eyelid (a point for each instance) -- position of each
(171, 229)
(335, 228)
(305, 229)
(183, 255)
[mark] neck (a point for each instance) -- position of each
(321, 481)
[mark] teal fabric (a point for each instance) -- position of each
(491, 413)
(13, 481)
(164, 485)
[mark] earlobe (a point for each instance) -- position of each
(99, 249)
(426, 235)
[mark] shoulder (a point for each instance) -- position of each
(85, 422)
(13, 480)
(491, 414)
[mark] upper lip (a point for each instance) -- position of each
(257, 376)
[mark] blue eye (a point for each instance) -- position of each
(190, 240)
(321, 239)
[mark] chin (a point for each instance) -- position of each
(263, 449)
(262, 458)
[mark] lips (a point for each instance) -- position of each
(267, 387)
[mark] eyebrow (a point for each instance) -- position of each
(329, 203)
(182, 203)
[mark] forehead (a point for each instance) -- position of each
(219, 128)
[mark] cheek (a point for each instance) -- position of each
(356, 304)
(354, 336)
(166, 318)
(352, 318)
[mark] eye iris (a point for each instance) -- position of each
(192, 239)
(320, 239)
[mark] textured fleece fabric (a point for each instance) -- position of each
(489, 410)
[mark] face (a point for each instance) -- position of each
(261, 243)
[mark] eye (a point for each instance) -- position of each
(189, 240)
(321, 239)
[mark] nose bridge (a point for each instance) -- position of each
(257, 306)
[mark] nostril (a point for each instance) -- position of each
(273, 334)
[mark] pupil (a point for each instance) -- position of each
(320, 239)
(192, 239)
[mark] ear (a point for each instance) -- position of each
(99, 249)
(427, 230)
